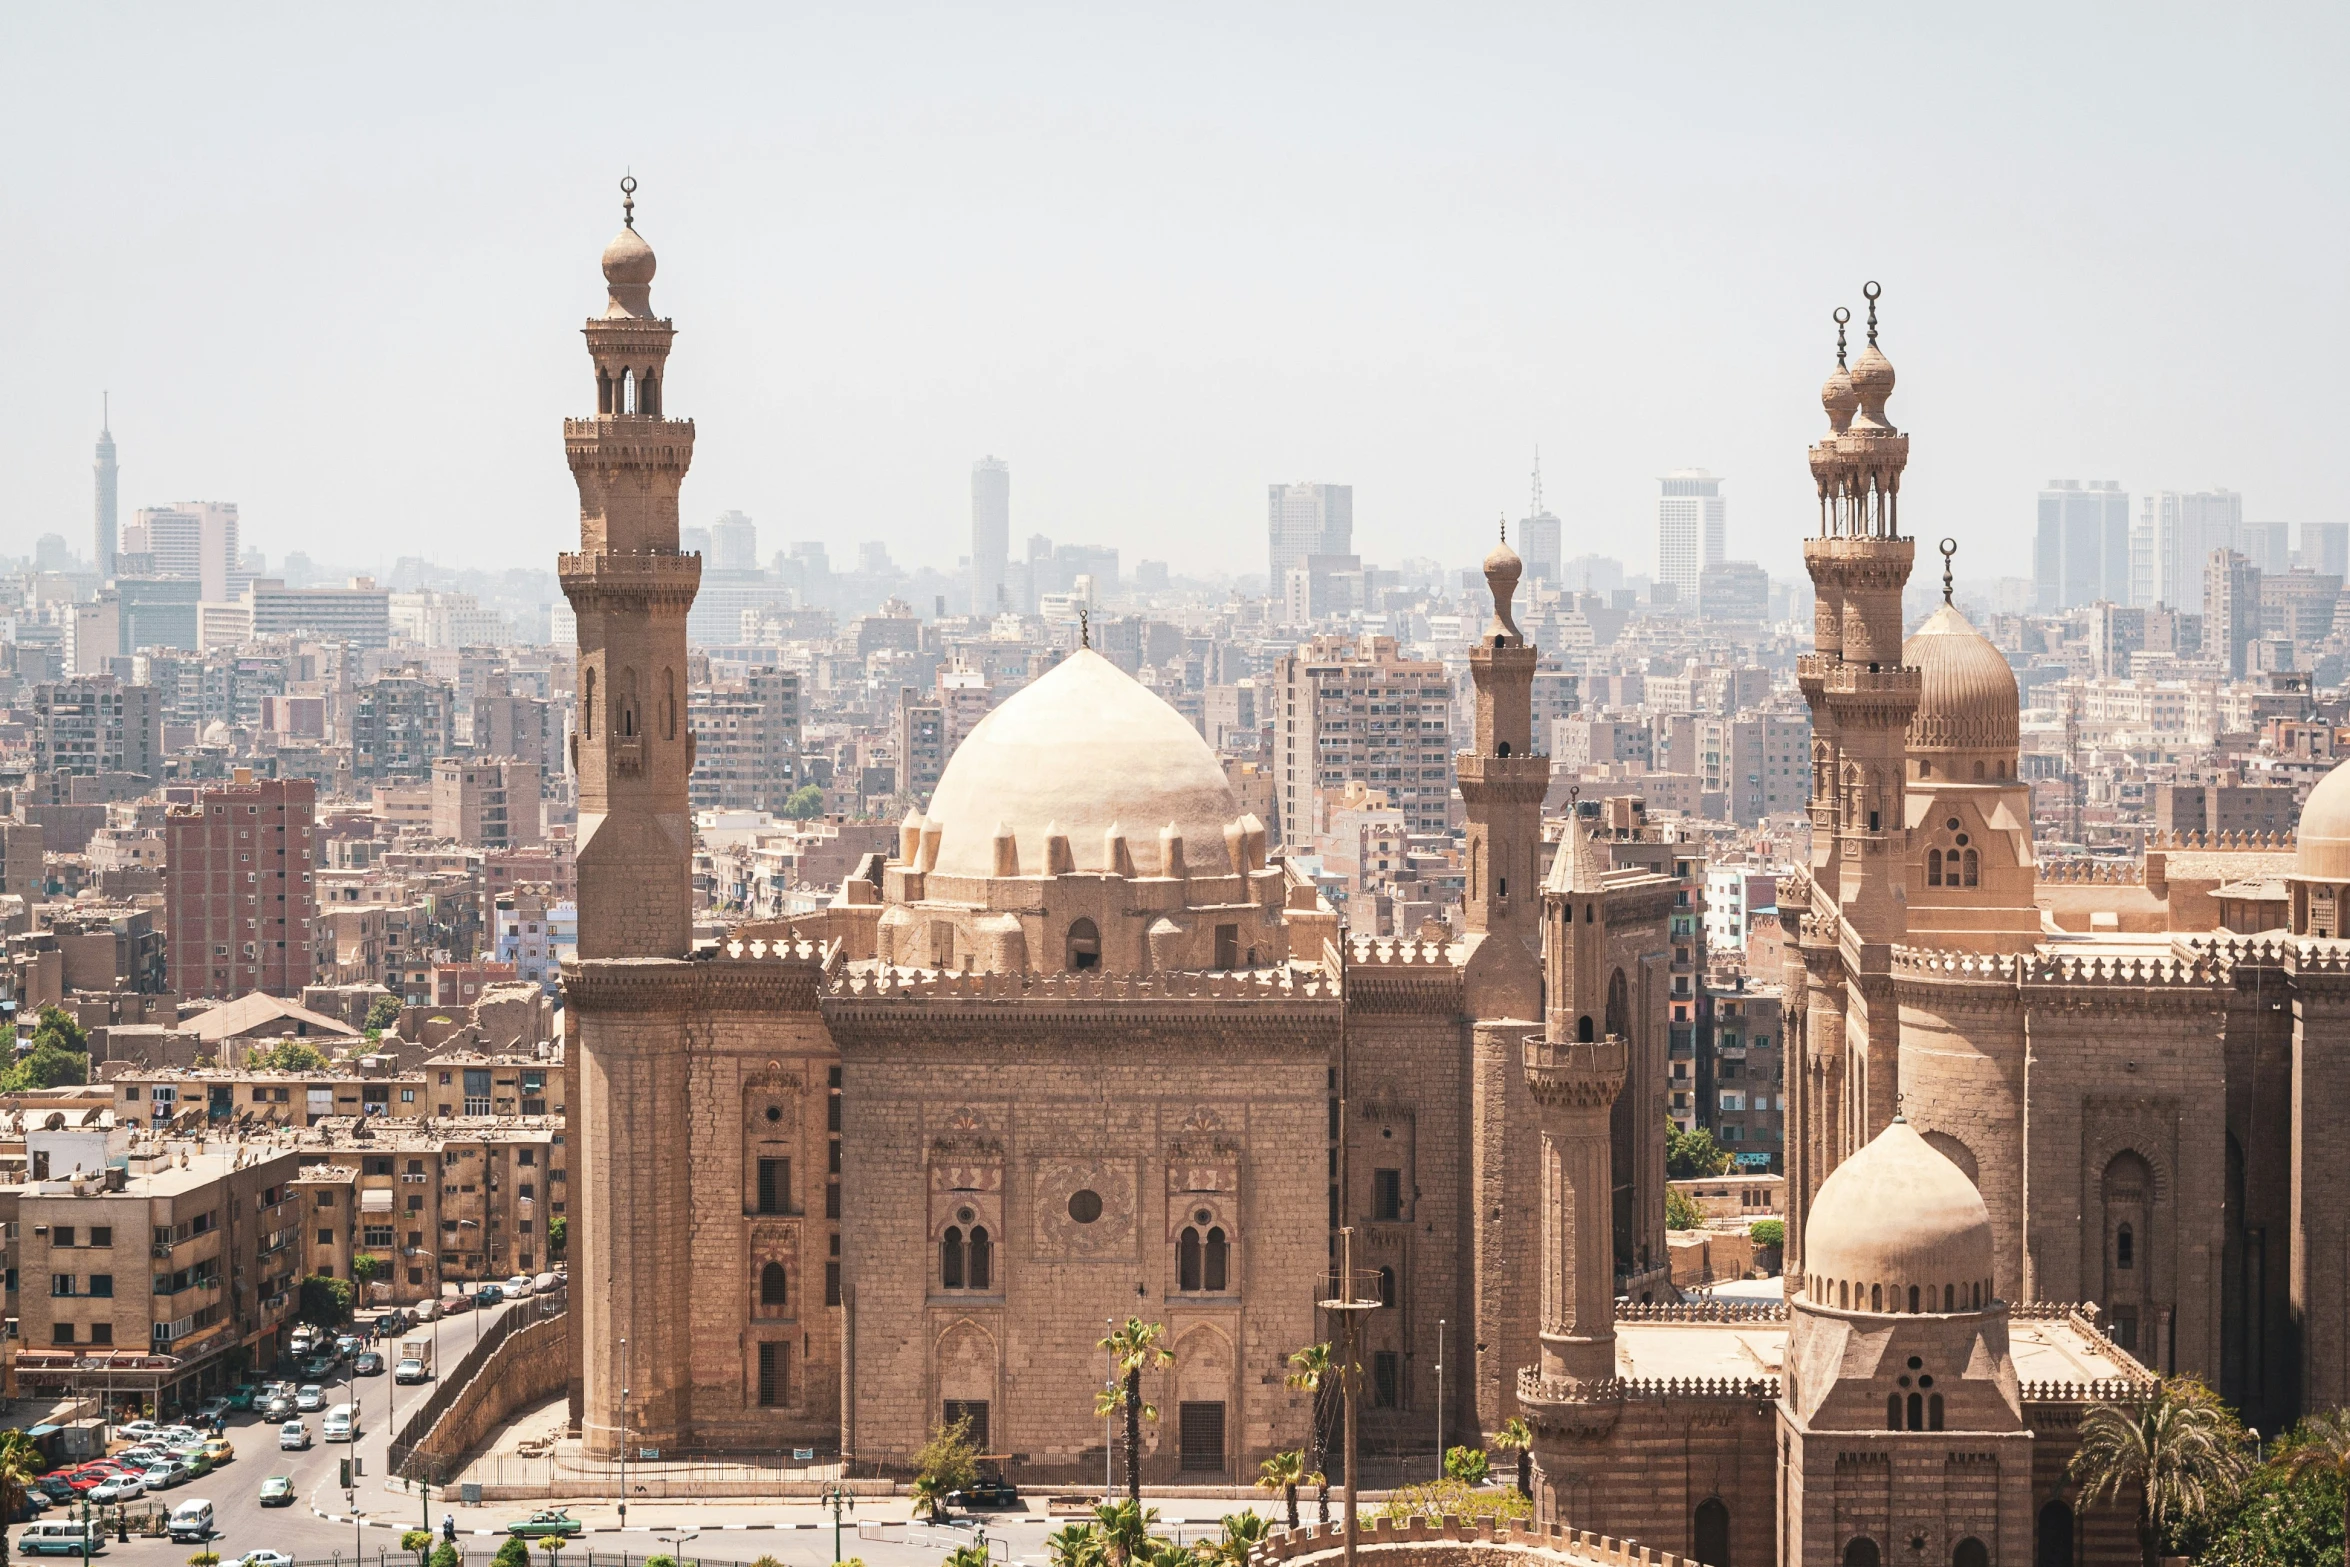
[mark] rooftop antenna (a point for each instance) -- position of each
(1842, 315)
(1949, 548)
(628, 204)
(1537, 511)
(1872, 289)
(105, 410)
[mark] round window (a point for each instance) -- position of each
(1915, 1363)
(965, 1215)
(774, 1113)
(1202, 1216)
(1962, 840)
(1085, 1206)
(1952, 824)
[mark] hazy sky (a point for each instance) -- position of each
(332, 262)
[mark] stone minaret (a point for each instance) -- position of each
(631, 589)
(1502, 783)
(633, 752)
(106, 475)
(1862, 699)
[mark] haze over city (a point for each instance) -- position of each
(329, 265)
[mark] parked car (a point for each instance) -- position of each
(546, 1282)
(310, 1399)
(30, 1504)
(293, 1436)
(456, 1303)
(62, 1537)
(986, 1491)
(137, 1430)
(119, 1488)
(369, 1364)
(319, 1367)
(488, 1295)
(262, 1559)
(197, 1461)
(347, 1345)
(219, 1451)
(244, 1396)
(393, 1323)
(518, 1286)
(164, 1474)
(57, 1486)
(277, 1491)
(546, 1521)
(212, 1409)
(429, 1311)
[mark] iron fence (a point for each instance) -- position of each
(451, 1381)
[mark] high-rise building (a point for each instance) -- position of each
(239, 899)
(359, 614)
(1734, 591)
(106, 474)
(1689, 529)
(1538, 535)
(2175, 535)
(746, 742)
(1349, 709)
(734, 543)
(1304, 520)
(486, 803)
(2081, 553)
(2231, 608)
(991, 535)
(2268, 545)
(402, 725)
(2325, 547)
(97, 724)
(191, 539)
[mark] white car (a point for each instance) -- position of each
(262, 1559)
(311, 1399)
(165, 1473)
(138, 1430)
(293, 1436)
(122, 1488)
(518, 1286)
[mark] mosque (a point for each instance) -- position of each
(1083, 1048)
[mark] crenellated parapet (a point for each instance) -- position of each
(1701, 1311)
(1582, 1074)
(1431, 1542)
(1084, 985)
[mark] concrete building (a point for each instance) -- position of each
(491, 803)
(746, 742)
(360, 613)
(1349, 709)
(2232, 614)
(194, 541)
(2175, 535)
(991, 536)
(2081, 549)
(1690, 524)
(1304, 520)
(1736, 592)
(402, 725)
(95, 724)
(239, 890)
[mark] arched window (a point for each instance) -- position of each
(668, 704)
(1934, 1412)
(1187, 1260)
(587, 706)
(2125, 1247)
(1971, 1552)
(1925, 769)
(950, 1260)
(1933, 867)
(1978, 772)
(1219, 1263)
(1892, 1411)
(1973, 868)
(1502, 749)
(1843, 1296)
(1387, 1288)
(627, 723)
(1917, 1412)
(1978, 1306)
(649, 399)
(1861, 1551)
(1619, 1002)
(1583, 1029)
(774, 1289)
(1712, 1531)
(603, 391)
(1949, 1297)
(1913, 1300)
(1085, 945)
(2052, 1544)
(1876, 1297)
(982, 1258)
(627, 392)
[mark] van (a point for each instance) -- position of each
(192, 1520)
(61, 1537)
(342, 1424)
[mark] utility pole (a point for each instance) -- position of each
(1440, 1320)
(1350, 1307)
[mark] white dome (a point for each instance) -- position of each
(1081, 750)
(1899, 1214)
(2321, 849)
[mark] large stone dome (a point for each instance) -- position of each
(2321, 844)
(1900, 1215)
(1082, 749)
(1968, 700)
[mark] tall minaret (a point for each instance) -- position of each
(106, 474)
(631, 589)
(628, 986)
(1502, 782)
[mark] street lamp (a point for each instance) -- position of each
(837, 1498)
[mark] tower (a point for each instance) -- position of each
(991, 534)
(1502, 781)
(631, 590)
(107, 475)
(631, 985)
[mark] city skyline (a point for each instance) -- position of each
(1097, 333)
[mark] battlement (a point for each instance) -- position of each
(2098, 873)
(1421, 1542)
(2055, 968)
(1536, 1389)
(2255, 842)
(1759, 1311)
(1385, 952)
(908, 984)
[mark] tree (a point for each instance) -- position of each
(949, 1460)
(553, 1545)
(2276, 1521)
(806, 801)
(365, 1267)
(47, 1066)
(382, 1013)
(1284, 1472)
(1515, 1436)
(207, 1557)
(1444, 1499)
(972, 1555)
(2319, 1455)
(929, 1498)
(1125, 1529)
(326, 1302)
(446, 1556)
(1310, 1370)
(1468, 1465)
(1682, 1212)
(1767, 1232)
(20, 1465)
(2179, 1450)
(419, 1541)
(1134, 1348)
(1243, 1533)
(289, 1055)
(558, 1237)
(513, 1553)
(1693, 1155)
(1076, 1545)
(57, 1028)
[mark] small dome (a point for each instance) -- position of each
(1079, 750)
(628, 260)
(1968, 700)
(1872, 383)
(1840, 399)
(2321, 844)
(1898, 1213)
(1502, 571)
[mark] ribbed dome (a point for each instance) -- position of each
(2321, 848)
(1898, 1214)
(1078, 751)
(1968, 701)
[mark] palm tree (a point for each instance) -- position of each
(1076, 1545)
(1284, 1472)
(1514, 1436)
(1312, 1369)
(1243, 1533)
(20, 1466)
(1125, 1529)
(929, 1495)
(2322, 1447)
(2180, 1450)
(972, 1555)
(1135, 1348)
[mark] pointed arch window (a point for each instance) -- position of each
(587, 707)
(1203, 1259)
(1933, 867)
(950, 1259)
(1973, 871)
(980, 1265)
(774, 1286)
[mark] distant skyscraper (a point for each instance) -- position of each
(1538, 536)
(2175, 536)
(991, 535)
(734, 543)
(1689, 526)
(106, 475)
(2081, 553)
(1303, 520)
(2268, 545)
(2325, 547)
(2231, 608)
(191, 540)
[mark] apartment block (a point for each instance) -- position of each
(489, 804)
(1348, 710)
(96, 724)
(746, 742)
(240, 896)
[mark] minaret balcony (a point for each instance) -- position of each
(1584, 1074)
